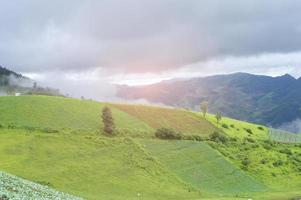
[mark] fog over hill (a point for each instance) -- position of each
(12, 83)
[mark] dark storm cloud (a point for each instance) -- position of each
(142, 35)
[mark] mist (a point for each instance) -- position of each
(293, 126)
(20, 81)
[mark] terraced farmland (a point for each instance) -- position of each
(59, 142)
(89, 166)
(204, 168)
(57, 113)
(157, 117)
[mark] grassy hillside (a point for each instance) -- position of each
(274, 164)
(277, 165)
(88, 166)
(180, 120)
(204, 168)
(238, 129)
(59, 112)
(58, 142)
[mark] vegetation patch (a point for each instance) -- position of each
(276, 165)
(12, 187)
(168, 134)
(90, 166)
(204, 168)
(180, 120)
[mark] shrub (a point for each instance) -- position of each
(264, 161)
(4, 197)
(278, 163)
(192, 137)
(260, 128)
(168, 134)
(225, 126)
(269, 142)
(296, 159)
(267, 146)
(251, 140)
(232, 126)
(218, 137)
(248, 130)
(246, 162)
(11, 126)
(286, 151)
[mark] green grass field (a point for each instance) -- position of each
(89, 167)
(59, 142)
(204, 168)
(238, 128)
(58, 113)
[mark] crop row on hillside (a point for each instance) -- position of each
(180, 120)
(14, 188)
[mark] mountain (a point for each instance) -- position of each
(12, 83)
(261, 99)
(11, 78)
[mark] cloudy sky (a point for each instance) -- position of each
(74, 43)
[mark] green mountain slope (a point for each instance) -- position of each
(59, 142)
(88, 166)
(59, 112)
(204, 168)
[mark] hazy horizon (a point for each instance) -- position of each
(72, 45)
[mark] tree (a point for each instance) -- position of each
(218, 117)
(108, 121)
(204, 108)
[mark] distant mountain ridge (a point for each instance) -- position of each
(10, 78)
(256, 98)
(7, 72)
(12, 83)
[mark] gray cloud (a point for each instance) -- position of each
(142, 36)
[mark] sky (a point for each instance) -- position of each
(83, 47)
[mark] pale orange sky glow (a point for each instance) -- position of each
(138, 42)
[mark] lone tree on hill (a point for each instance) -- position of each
(108, 121)
(218, 117)
(204, 108)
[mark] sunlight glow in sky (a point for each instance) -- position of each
(102, 42)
